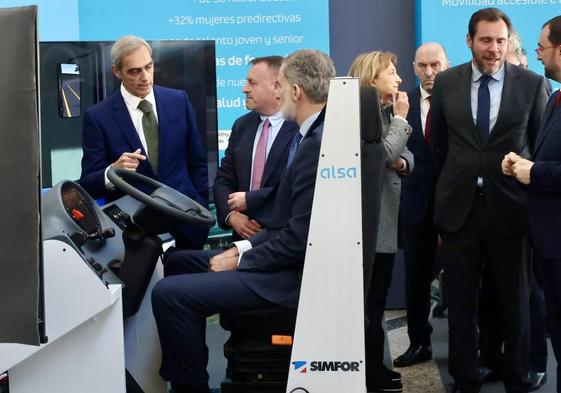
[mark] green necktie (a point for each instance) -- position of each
(150, 127)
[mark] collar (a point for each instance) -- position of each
(275, 119)
(305, 127)
(133, 101)
(424, 94)
(476, 74)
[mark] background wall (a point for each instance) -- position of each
(357, 26)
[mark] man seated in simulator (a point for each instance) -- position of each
(148, 129)
(264, 270)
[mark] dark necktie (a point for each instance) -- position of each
(293, 147)
(483, 108)
(427, 124)
(150, 128)
(260, 156)
(558, 99)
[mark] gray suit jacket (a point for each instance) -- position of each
(395, 133)
(461, 157)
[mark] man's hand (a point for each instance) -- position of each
(400, 104)
(508, 161)
(400, 166)
(228, 260)
(129, 161)
(236, 201)
(243, 225)
(521, 170)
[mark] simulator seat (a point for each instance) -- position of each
(258, 350)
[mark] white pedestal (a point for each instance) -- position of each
(84, 324)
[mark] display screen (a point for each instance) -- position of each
(69, 90)
(77, 75)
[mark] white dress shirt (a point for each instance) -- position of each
(136, 114)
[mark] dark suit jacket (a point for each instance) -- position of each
(108, 132)
(419, 185)
(273, 267)
(234, 173)
(544, 190)
(461, 157)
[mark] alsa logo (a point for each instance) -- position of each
(321, 366)
(338, 173)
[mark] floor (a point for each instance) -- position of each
(432, 376)
(428, 377)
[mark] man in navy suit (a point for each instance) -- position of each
(144, 128)
(421, 235)
(481, 110)
(259, 272)
(542, 177)
(257, 151)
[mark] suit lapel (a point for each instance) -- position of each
(507, 100)
(415, 122)
(246, 152)
(550, 117)
(167, 123)
(279, 145)
(464, 103)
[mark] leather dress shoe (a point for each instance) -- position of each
(487, 374)
(414, 354)
(537, 379)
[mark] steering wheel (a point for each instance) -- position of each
(163, 199)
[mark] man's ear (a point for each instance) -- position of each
(116, 71)
(296, 92)
(469, 41)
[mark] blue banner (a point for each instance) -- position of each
(446, 22)
(242, 29)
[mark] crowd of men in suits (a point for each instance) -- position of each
(486, 183)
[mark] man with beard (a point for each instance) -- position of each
(257, 151)
(481, 110)
(421, 235)
(541, 176)
(264, 270)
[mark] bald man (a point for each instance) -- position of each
(421, 236)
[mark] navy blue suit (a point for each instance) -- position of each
(544, 218)
(270, 273)
(234, 173)
(108, 132)
(421, 234)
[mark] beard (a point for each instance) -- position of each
(288, 110)
(549, 73)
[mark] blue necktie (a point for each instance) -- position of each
(293, 147)
(483, 108)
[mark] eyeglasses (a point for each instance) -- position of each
(540, 48)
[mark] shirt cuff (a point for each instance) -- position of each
(400, 118)
(227, 217)
(242, 246)
(108, 184)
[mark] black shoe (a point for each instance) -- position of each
(414, 354)
(537, 379)
(487, 374)
(383, 384)
(390, 374)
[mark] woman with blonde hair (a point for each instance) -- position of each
(378, 69)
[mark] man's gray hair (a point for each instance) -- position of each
(311, 70)
(125, 45)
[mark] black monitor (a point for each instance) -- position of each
(76, 75)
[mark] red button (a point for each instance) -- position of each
(77, 214)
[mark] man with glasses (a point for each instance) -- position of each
(542, 178)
